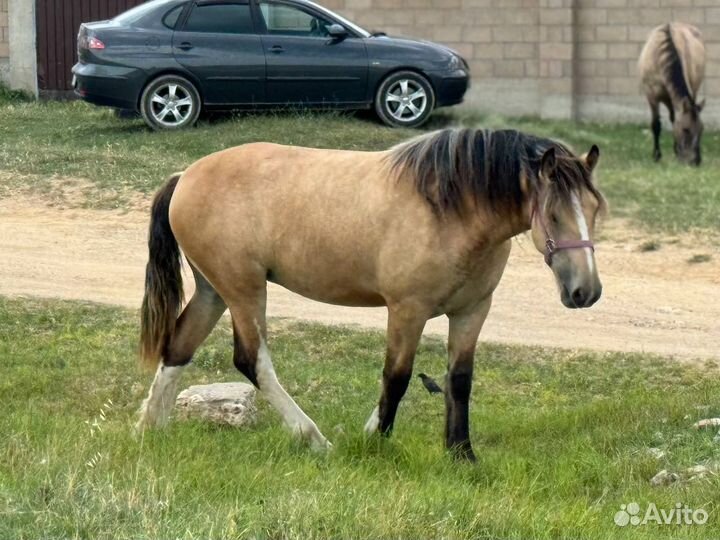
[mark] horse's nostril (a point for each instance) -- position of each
(578, 296)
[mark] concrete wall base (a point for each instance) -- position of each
(22, 73)
(4, 71)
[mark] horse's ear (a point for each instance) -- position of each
(592, 157)
(700, 106)
(548, 163)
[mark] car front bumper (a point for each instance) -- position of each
(112, 86)
(450, 86)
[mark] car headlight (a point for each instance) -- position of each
(457, 62)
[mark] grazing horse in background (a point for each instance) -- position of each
(672, 68)
(423, 229)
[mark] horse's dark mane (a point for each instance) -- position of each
(447, 167)
(672, 66)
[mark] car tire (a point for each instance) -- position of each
(395, 104)
(170, 102)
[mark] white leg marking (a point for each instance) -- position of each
(373, 422)
(299, 423)
(583, 228)
(155, 410)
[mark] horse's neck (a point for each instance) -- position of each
(676, 100)
(498, 227)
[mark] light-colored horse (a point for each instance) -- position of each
(672, 68)
(423, 229)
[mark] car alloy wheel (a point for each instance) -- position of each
(406, 100)
(171, 105)
(170, 102)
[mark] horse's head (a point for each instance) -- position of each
(563, 223)
(687, 130)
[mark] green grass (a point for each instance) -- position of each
(561, 438)
(45, 141)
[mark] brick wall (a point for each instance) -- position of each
(610, 35)
(4, 40)
(553, 58)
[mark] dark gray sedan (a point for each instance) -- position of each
(168, 59)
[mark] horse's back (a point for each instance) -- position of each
(260, 174)
(688, 42)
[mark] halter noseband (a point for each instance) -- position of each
(551, 246)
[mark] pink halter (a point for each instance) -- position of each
(551, 246)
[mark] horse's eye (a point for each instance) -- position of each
(554, 218)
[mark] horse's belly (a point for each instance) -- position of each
(330, 291)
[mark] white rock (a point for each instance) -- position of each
(231, 404)
(698, 469)
(663, 478)
(698, 472)
(708, 422)
(656, 453)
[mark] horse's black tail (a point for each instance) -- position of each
(163, 280)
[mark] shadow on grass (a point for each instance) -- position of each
(438, 120)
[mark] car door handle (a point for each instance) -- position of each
(185, 46)
(277, 49)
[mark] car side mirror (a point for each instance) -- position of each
(337, 32)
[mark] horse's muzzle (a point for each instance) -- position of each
(580, 297)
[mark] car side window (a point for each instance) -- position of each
(285, 20)
(171, 17)
(220, 19)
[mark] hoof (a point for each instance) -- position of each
(321, 446)
(145, 423)
(310, 434)
(463, 452)
(372, 424)
(140, 427)
(657, 156)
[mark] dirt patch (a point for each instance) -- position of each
(654, 301)
(67, 193)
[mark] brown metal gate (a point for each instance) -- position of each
(57, 28)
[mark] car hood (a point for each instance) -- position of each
(417, 43)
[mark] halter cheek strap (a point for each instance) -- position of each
(551, 246)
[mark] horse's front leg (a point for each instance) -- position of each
(656, 127)
(464, 331)
(405, 326)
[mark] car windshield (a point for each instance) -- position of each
(342, 20)
(135, 14)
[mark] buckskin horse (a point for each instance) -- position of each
(672, 68)
(423, 229)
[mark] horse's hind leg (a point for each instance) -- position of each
(193, 326)
(656, 127)
(252, 359)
